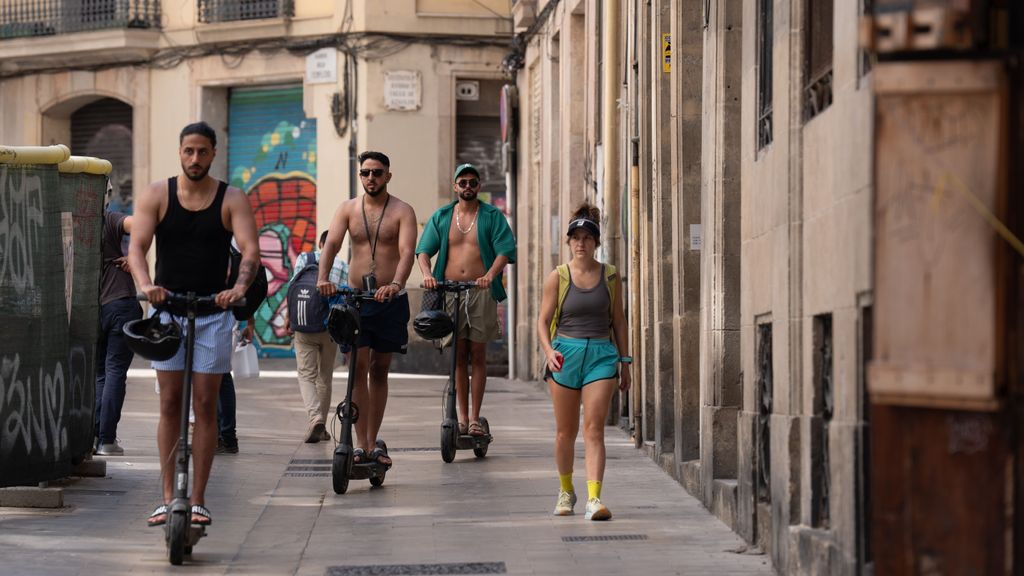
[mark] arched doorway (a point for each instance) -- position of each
(103, 129)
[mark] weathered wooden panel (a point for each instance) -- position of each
(940, 148)
(942, 490)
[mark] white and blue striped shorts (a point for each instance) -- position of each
(212, 352)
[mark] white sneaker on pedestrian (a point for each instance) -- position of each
(110, 449)
(597, 511)
(566, 503)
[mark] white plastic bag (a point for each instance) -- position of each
(244, 362)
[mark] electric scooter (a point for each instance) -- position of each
(343, 468)
(451, 439)
(179, 533)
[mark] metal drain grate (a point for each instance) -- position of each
(420, 449)
(417, 569)
(608, 538)
(308, 469)
(307, 474)
(311, 461)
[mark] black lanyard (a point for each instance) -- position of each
(376, 237)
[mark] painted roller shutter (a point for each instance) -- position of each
(272, 158)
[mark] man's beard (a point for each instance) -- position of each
(193, 178)
(376, 192)
(468, 194)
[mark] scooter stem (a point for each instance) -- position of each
(455, 352)
(180, 488)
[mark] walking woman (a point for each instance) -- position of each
(582, 330)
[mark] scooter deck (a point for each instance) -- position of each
(364, 471)
(194, 534)
(468, 442)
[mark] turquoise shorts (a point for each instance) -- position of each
(584, 360)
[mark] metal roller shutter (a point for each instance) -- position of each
(104, 129)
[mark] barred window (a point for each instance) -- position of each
(818, 43)
(765, 41)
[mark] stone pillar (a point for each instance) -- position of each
(721, 386)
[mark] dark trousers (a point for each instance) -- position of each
(226, 409)
(112, 360)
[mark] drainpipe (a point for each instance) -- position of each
(610, 45)
(635, 320)
(353, 73)
(610, 125)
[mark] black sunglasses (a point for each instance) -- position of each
(377, 172)
(468, 183)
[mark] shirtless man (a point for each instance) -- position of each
(383, 233)
(465, 255)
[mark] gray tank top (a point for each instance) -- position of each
(585, 313)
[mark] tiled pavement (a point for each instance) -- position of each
(275, 512)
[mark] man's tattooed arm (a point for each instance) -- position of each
(246, 273)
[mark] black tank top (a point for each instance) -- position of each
(192, 247)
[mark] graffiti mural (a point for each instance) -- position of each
(49, 291)
(272, 157)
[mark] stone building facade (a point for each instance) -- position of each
(735, 178)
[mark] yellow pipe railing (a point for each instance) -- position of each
(34, 154)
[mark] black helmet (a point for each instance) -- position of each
(343, 324)
(433, 324)
(153, 339)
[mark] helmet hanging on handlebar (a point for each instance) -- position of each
(433, 324)
(153, 339)
(343, 324)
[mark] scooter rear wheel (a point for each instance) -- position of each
(339, 471)
(481, 451)
(177, 528)
(379, 480)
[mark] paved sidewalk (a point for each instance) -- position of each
(275, 512)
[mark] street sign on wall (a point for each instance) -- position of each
(402, 90)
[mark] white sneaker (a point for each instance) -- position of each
(110, 449)
(597, 511)
(565, 504)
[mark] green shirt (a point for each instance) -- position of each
(493, 234)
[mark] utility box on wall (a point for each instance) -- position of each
(940, 152)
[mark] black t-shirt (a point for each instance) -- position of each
(114, 283)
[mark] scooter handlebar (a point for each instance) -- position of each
(359, 294)
(454, 286)
(179, 298)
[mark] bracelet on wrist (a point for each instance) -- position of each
(626, 359)
(395, 284)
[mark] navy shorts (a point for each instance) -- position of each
(384, 326)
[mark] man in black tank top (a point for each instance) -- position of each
(193, 218)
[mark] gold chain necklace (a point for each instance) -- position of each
(458, 221)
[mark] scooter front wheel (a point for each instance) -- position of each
(177, 526)
(448, 440)
(339, 471)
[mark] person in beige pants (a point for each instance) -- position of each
(315, 353)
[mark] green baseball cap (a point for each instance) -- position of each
(464, 168)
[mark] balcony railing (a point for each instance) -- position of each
(211, 11)
(20, 18)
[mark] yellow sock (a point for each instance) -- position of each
(593, 488)
(566, 482)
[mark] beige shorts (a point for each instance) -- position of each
(478, 319)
